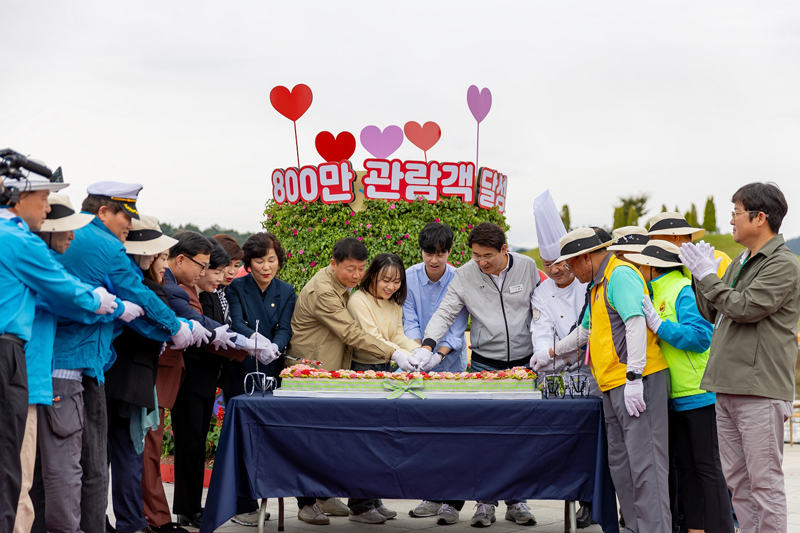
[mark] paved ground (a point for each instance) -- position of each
(549, 514)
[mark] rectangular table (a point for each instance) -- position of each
(274, 447)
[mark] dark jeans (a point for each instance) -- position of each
(362, 505)
(14, 397)
(126, 472)
(457, 504)
(303, 501)
(702, 488)
(94, 457)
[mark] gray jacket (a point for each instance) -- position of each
(501, 318)
(755, 308)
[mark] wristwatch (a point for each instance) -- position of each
(633, 376)
(440, 354)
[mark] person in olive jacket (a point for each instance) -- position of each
(755, 307)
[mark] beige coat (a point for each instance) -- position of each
(324, 331)
(383, 320)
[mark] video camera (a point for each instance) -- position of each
(11, 166)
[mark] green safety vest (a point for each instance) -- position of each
(685, 368)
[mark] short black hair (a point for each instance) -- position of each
(92, 204)
(435, 238)
(487, 234)
(259, 245)
(349, 248)
(219, 257)
(763, 197)
(190, 243)
(385, 261)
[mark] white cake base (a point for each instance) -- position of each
(479, 395)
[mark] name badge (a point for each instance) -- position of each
(515, 288)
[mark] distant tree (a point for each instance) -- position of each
(664, 208)
(677, 210)
(620, 218)
(691, 216)
(169, 229)
(710, 216)
(565, 216)
(633, 216)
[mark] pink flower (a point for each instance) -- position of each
(346, 222)
(277, 223)
(304, 270)
(392, 206)
(462, 253)
(324, 219)
(309, 229)
(468, 225)
(300, 252)
(289, 254)
(313, 264)
(354, 231)
(294, 232)
(399, 242)
(388, 237)
(369, 225)
(436, 220)
(352, 213)
(361, 238)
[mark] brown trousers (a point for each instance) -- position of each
(170, 376)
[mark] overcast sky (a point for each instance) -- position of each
(593, 100)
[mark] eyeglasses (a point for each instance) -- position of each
(203, 267)
(735, 214)
(484, 258)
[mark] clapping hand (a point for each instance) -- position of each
(699, 259)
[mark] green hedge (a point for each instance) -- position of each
(308, 232)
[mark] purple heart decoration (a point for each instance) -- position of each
(480, 102)
(381, 144)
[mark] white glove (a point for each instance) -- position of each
(540, 359)
(706, 249)
(650, 315)
(200, 335)
(107, 301)
(223, 337)
(634, 397)
(182, 339)
(131, 311)
(405, 361)
(275, 349)
(262, 340)
(240, 341)
(699, 264)
(264, 353)
(426, 359)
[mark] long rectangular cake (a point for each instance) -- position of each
(304, 380)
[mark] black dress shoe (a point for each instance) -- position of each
(169, 527)
(584, 517)
(193, 520)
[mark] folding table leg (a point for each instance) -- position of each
(262, 513)
(280, 514)
(570, 518)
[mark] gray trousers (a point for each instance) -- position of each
(94, 458)
(750, 431)
(60, 428)
(638, 456)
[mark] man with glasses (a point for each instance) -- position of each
(495, 288)
(755, 307)
(97, 256)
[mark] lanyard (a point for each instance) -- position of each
(736, 278)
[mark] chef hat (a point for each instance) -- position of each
(549, 227)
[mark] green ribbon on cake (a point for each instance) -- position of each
(415, 387)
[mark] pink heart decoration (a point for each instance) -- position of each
(480, 102)
(381, 144)
(423, 137)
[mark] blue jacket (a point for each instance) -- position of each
(98, 257)
(178, 300)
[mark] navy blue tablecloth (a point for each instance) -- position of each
(411, 449)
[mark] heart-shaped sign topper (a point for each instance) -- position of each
(381, 144)
(291, 104)
(333, 150)
(480, 102)
(423, 137)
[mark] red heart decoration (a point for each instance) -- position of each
(423, 137)
(292, 104)
(335, 149)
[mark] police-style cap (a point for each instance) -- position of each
(62, 216)
(125, 194)
(146, 237)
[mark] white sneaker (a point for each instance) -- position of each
(385, 512)
(334, 506)
(521, 514)
(248, 519)
(368, 517)
(424, 509)
(448, 515)
(312, 514)
(484, 515)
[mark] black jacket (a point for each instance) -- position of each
(132, 377)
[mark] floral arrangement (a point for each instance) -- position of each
(308, 232)
(302, 371)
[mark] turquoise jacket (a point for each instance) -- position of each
(98, 257)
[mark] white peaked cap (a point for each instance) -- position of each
(549, 227)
